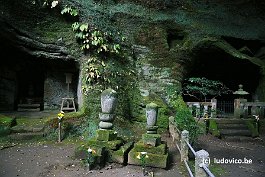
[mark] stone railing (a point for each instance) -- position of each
(252, 108)
(202, 158)
(200, 109)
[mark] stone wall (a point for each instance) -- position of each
(55, 88)
(153, 78)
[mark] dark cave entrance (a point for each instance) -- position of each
(30, 83)
(215, 64)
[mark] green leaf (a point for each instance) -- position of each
(64, 11)
(84, 27)
(75, 26)
(79, 35)
(74, 12)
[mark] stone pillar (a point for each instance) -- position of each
(108, 105)
(205, 110)
(184, 149)
(213, 109)
(238, 108)
(198, 110)
(151, 116)
(151, 137)
(201, 158)
(255, 109)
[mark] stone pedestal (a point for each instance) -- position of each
(116, 150)
(157, 155)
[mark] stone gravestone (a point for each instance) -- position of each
(150, 144)
(106, 145)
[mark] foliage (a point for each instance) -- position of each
(142, 156)
(7, 121)
(4, 130)
(184, 119)
(213, 128)
(95, 74)
(93, 39)
(200, 88)
(70, 10)
(253, 127)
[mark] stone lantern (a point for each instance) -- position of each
(238, 102)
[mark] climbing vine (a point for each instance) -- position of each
(93, 39)
(70, 10)
(101, 45)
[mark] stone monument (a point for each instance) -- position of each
(106, 145)
(150, 144)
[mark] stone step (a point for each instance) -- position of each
(25, 129)
(230, 121)
(239, 138)
(26, 136)
(232, 126)
(233, 132)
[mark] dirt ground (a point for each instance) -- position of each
(56, 159)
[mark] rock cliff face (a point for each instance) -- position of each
(167, 41)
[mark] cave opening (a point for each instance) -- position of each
(175, 37)
(215, 64)
(29, 83)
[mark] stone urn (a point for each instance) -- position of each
(108, 101)
(151, 114)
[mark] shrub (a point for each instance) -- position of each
(184, 119)
(4, 130)
(7, 121)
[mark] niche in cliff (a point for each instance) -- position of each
(214, 64)
(33, 83)
(175, 38)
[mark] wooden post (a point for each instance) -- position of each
(183, 146)
(59, 127)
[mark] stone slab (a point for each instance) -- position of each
(151, 139)
(106, 135)
(153, 160)
(141, 147)
(121, 155)
(109, 145)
